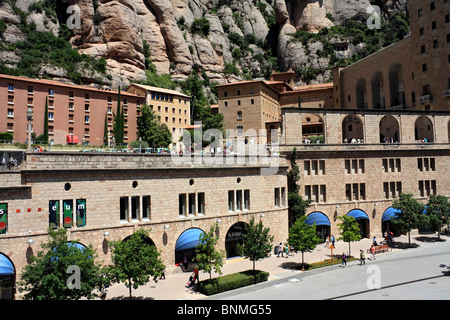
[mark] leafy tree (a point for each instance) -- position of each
(118, 126)
(134, 261)
(349, 230)
(297, 206)
(257, 242)
(410, 215)
(206, 254)
(45, 137)
(47, 276)
(151, 130)
(303, 237)
(438, 212)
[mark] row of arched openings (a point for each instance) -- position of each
(313, 128)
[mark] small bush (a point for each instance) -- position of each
(231, 281)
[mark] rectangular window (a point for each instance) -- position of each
(123, 208)
(246, 199)
(239, 204)
(182, 205)
(231, 200)
(146, 205)
(67, 213)
(201, 203)
(53, 214)
(191, 204)
(277, 197)
(81, 212)
(134, 208)
(3, 218)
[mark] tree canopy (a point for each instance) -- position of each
(134, 261)
(257, 242)
(151, 130)
(61, 271)
(302, 237)
(409, 216)
(349, 230)
(208, 257)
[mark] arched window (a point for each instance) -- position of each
(361, 94)
(378, 100)
(389, 130)
(396, 86)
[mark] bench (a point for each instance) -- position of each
(380, 248)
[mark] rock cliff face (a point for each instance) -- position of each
(239, 39)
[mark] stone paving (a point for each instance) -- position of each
(174, 286)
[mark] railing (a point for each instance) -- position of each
(425, 98)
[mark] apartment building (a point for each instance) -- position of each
(172, 107)
(251, 106)
(75, 113)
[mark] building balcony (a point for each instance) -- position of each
(426, 98)
(446, 94)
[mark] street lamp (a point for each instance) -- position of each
(113, 143)
(140, 145)
(29, 118)
(83, 142)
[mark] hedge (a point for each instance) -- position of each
(326, 263)
(231, 281)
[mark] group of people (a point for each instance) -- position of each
(10, 163)
(362, 255)
(353, 140)
(283, 249)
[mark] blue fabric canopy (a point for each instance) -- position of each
(358, 214)
(318, 218)
(6, 267)
(188, 239)
(389, 214)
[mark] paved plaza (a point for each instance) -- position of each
(174, 286)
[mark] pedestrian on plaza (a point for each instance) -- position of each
(280, 250)
(372, 250)
(287, 250)
(375, 241)
(196, 275)
(362, 258)
(332, 240)
(327, 242)
(344, 260)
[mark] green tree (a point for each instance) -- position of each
(206, 254)
(438, 212)
(349, 230)
(151, 130)
(297, 206)
(48, 276)
(410, 215)
(257, 242)
(303, 237)
(45, 135)
(118, 125)
(134, 261)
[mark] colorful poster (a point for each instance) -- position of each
(81, 212)
(53, 213)
(67, 213)
(3, 218)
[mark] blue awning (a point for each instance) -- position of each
(358, 214)
(389, 214)
(6, 266)
(318, 218)
(188, 239)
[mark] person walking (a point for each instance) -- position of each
(372, 250)
(362, 258)
(280, 250)
(333, 240)
(344, 260)
(287, 251)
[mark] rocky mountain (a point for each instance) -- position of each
(226, 40)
